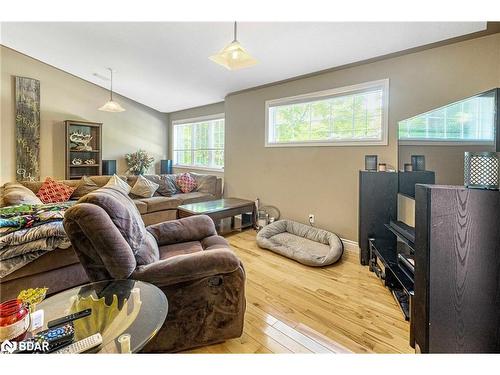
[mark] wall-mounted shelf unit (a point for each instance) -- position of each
(91, 131)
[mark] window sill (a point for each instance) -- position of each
(193, 167)
(329, 144)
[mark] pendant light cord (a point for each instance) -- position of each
(111, 91)
(235, 32)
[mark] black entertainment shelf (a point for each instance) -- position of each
(386, 251)
(401, 286)
(403, 231)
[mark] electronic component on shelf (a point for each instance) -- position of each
(82, 345)
(69, 318)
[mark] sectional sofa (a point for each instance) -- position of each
(60, 269)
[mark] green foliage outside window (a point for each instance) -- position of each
(350, 117)
(200, 144)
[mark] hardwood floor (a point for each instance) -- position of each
(293, 308)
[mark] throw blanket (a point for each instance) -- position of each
(29, 231)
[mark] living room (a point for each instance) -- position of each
(319, 192)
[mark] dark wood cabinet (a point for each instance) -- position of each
(456, 305)
(377, 207)
(83, 149)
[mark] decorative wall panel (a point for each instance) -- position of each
(27, 129)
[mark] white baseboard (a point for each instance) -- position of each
(351, 246)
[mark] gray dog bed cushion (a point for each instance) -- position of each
(305, 244)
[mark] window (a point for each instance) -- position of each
(466, 121)
(199, 142)
(354, 115)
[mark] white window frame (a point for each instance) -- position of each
(318, 95)
(408, 141)
(218, 116)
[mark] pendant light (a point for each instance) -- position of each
(233, 56)
(111, 105)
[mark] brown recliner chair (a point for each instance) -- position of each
(202, 278)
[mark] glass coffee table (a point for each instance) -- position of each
(240, 213)
(119, 307)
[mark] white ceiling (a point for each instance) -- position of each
(165, 65)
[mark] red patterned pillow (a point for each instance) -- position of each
(52, 191)
(186, 182)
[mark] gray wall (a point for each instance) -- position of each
(324, 180)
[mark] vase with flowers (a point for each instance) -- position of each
(138, 162)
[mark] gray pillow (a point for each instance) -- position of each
(205, 183)
(163, 187)
(85, 186)
(144, 187)
(171, 185)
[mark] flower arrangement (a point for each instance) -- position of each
(138, 162)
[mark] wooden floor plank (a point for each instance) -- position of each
(295, 308)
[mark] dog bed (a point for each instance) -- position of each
(305, 244)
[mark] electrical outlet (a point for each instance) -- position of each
(311, 219)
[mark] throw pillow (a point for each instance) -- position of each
(117, 183)
(53, 191)
(14, 193)
(171, 185)
(144, 188)
(85, 186)
(163, 186)
(186, 182)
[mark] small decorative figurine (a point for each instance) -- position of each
(76, 161)
(81, 140)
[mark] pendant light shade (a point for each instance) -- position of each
(233, 56)
(111, 105)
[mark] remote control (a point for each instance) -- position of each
(56, 336)
(69, 318)
(82, 345)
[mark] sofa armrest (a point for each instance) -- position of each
(182, 268)
(193, 228)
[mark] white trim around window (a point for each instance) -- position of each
(192, 149)
(327, 94)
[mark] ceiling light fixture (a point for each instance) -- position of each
(111, 106)
(233, 56)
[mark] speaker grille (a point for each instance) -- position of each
(481, 170)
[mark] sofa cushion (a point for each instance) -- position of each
(144, 187)
(161, 203)
(194, 197)
(141, 206)
(103, 180)
(181, 248)
(205, 183)
(186, 182)
(49, 261)
(85, 186)
(15, 193)
(53, 191)
(100, 181)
